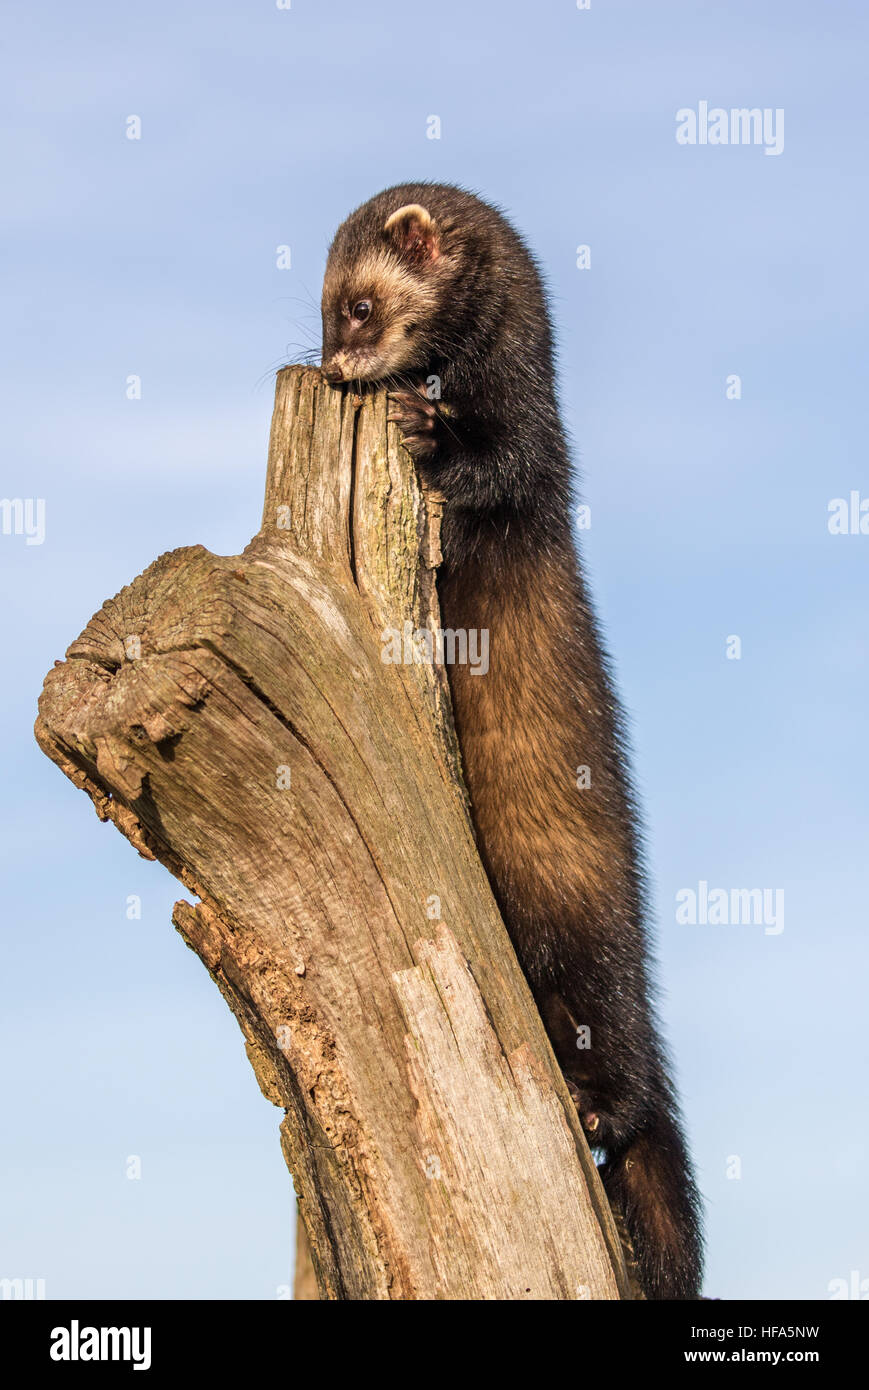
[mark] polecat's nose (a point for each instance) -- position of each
(332, 373)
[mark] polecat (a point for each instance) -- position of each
(426, 282)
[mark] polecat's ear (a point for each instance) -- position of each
(414, 233)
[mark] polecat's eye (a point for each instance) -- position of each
(362, 310)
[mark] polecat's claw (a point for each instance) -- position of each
(597, 1126)
(416, 417)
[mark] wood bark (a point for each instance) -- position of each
(235, 718)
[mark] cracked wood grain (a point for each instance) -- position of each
(234, 718)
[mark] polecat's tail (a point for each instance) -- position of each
(650, 1187)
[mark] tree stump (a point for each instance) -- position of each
(236, 719)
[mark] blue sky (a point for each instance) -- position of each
(157, 257)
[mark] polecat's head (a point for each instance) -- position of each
(383, 293)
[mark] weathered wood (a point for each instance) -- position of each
(234, 717)
(304, 1275)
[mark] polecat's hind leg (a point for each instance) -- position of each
(626, 1109)
(649, 1185)
(605, 1127)
(651, 1192)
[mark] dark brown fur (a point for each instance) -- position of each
(454, 295)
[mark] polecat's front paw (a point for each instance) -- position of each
(417, 418)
